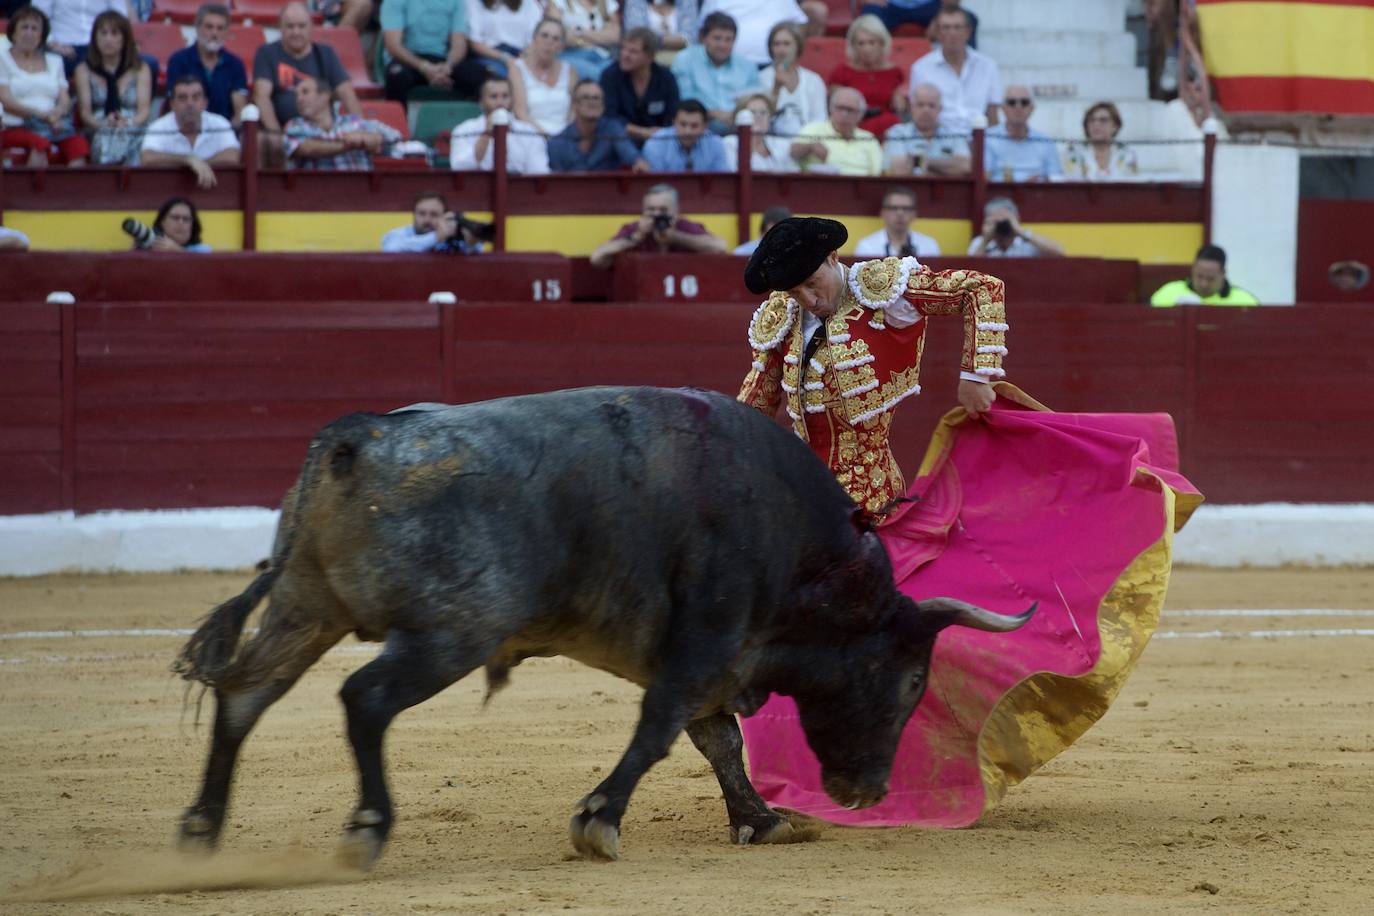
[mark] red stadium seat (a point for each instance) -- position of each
(259, 12)
(392, 114)
(175, 10)
(842, 12)
(244, 41)
(823, 54)
(160, 40)
(350, 49)
(906, 51)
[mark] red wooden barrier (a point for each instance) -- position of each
(31, 408)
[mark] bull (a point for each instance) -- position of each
(674, 538)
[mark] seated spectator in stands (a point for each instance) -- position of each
(1207, 284)
(897, 239)
(471, 147)
(900, 12)
(434, 227)
(755, 20)
(1003, 235)
(114, 91)
(659, 230)
(425, 43)
(279, 65)
(220, 71)
(33, 92)
(177, 228)
(638, 91)
(190, 136)
(687, 146)
(969, 81)
(319, 139)
(1015, 151)
(798, 94)
(920, 147)
(498, 31)
(768, 151)
(13, 240)
(673, 22)
(542, 82)
(771, 217)
(1348, 276)
(594, 141)
(593, 33)
(1102, 158)
(868, 68)
(712, 74)
(71, 22)
(839, 146)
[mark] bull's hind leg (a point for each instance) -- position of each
(751, 820)
(412, 668)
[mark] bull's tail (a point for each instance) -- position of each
(208, 656)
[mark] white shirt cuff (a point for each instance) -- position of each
(972, 377)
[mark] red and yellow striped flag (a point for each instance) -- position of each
(1290, 55)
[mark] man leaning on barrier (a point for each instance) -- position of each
(190, 136)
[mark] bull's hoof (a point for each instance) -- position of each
(592, 837)
(775, 828)
(362, 842)
(198, 834)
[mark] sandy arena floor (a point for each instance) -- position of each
(1234, 775)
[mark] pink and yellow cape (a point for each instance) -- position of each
(1074, 511)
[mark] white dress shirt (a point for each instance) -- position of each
(878, 246)
(977, 85)
(216, 135)
(527, 152)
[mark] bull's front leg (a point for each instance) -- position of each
(751, 820)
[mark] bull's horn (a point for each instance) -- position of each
(934, 614)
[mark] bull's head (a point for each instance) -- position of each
(854, 718)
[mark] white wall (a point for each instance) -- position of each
(1255, 219)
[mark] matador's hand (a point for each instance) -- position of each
(976, 397)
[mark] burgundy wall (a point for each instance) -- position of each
(1329, 231)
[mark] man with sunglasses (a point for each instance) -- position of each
(1015, 151)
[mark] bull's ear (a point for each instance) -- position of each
(921, 620)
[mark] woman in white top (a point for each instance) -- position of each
(498, 30)
(798, 94)
(1102, 158)
(768, 152)
(33, 91)
(593, 33)
(541, 82)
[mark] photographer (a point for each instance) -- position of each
(437, 228)
(1004, 236)
(659, 230)
(176, 228)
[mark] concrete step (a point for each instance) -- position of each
(1050, 15)
(1033, 48)
(1092, 83)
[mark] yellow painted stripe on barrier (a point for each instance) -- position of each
(357, 231)
(98, 230)
(1148, 243)
(1330, 41)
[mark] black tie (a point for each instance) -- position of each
(812, 345)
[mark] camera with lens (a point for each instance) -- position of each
(463, 229)
(663, 222)
(140, 231)
(1003, 228)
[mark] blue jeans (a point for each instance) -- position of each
(588, 62)
(922, 13)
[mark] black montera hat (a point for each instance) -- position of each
(791, 252)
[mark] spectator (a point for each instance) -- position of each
(358, 15)
(594, 141)
(1206, 284)
(638, 91)
(920, 148)
(471, 147)
(33, 92)
(221, 72)
(660, 229)
(1015, 151)
(13, 240)
(687, 146)
(541, 82)
(177, 227)
(771, 217)
(429, 230)
(798, 93)
(498, 31)
(319, 139)
(1102, 158)
(114, 91)
(593, 33)
(280, 65)
(868, 68)
(839, 145)
(900, 12)
(1348, 276)
(1004, 237)
(897, 238)
(969, 81)
(673, 22)
(755, 19)
(190, 136)
(70, 23)
(712, 74)
(768, 152)
(425, 43)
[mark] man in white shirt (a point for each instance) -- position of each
(1003, 235)
(754, 19)
(897, 239)
(471, 147)
(190, 136)
(919, 147)
(969, 82)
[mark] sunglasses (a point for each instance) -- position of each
(1015, 102)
